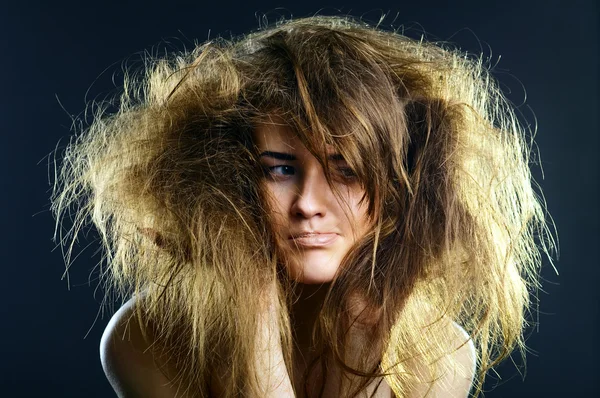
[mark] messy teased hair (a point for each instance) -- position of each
(171, 180)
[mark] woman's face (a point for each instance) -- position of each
(302, 203)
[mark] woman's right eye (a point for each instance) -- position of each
(281, 170)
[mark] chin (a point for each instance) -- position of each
(314, 273)
(313, 281)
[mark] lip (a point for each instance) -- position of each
(315, 240)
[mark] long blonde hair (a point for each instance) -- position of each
(171, 182)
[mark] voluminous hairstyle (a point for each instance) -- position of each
(171, 181)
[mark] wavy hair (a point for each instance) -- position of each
(171, 180)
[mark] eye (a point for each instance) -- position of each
(347, 172)
(280, 170)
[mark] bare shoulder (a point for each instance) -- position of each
(466, 357)
(458, 383)
(127, 360)
(465, 351)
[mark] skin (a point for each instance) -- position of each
(300, 199)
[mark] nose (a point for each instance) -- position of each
(312, 195)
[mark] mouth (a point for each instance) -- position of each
(314, 240)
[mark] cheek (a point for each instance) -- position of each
(361, 220)
(275, 201)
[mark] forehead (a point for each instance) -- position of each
(271, 135)
(277, 134)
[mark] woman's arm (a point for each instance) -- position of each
(274, 377)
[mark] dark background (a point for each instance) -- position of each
(53, 53)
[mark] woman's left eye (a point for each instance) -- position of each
(347, 172)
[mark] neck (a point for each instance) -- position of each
(305, 311)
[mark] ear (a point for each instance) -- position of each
(168, 245)
(154, 236)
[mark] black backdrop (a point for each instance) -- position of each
(53, 52)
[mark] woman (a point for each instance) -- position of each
(318, 208)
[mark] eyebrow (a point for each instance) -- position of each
(289, 156)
